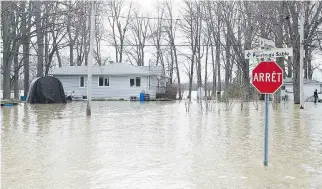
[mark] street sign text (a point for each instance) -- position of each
(273, 53)
(267, 77)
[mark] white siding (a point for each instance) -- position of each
(119, 87)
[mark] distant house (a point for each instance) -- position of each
(309, 87)
(113, 81)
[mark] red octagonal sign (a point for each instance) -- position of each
(267, 77)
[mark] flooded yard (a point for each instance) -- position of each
(159, 145)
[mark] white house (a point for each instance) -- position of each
(113, 81)
(309, 87)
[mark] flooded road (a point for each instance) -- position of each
(159, 145)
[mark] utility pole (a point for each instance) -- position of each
(90, 62)
(301, 16)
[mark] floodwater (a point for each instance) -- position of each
(159, 145)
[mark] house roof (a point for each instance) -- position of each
(110, 69)
(305, 81)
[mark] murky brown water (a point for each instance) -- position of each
(159, 145)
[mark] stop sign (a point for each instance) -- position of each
(267, 77)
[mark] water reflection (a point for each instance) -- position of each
(6, 119)
(159, 145)
(26, 119)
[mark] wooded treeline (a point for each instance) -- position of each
(206, 41)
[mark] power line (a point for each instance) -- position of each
(147, 45)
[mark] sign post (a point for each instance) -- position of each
(266, 130)
(267, 78)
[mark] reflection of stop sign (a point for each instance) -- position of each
(267, 77)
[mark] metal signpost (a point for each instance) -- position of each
(267, 78)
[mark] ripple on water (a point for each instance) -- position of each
(159, 145)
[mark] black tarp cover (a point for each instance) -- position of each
(45, 90)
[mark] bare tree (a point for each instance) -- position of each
(9, 43)
(54, 35)
(15, 35)
(293, 30)
(171, 31)
(40, 38)
(312, 21)
(72, 39)
(139, 28)
(191, 28)
(118, 26)
(25, 30)
(208, 17)
(246, 26)
(156, 35)
(99, 33)
(217, 36)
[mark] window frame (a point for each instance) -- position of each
(134, 78)
(79, 83)
(104, 77)
(136, 81)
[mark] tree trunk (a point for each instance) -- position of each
(71, 41)
(171, 66)
(191, 70)
(87, 38)
(206, 66)
(40, 39)
(199, 46)
(46, 52)
(121, 49)
(296, 53)
(309, 64)
(296, 76)
(55, 50)
(5, 9)
(227, 65)
(71, 53)
(16, 77)
(177, 69)
(15, 54)
(218, 63)
(247, 45)
(289, 67)
(15, 57)
(26, 39)
(279, 44)
(214, 72)
(305, 61)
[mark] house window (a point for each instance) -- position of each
(138, 81)
(81, 81)
(103, 81)
(135, 81)
(131, 82)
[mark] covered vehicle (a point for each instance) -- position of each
(45, 90)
